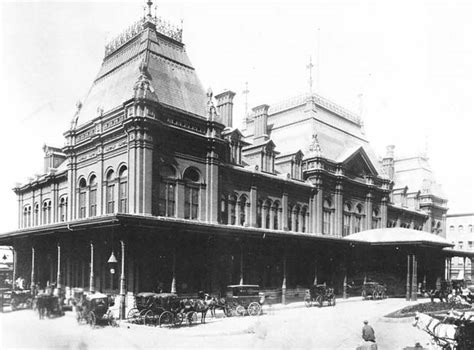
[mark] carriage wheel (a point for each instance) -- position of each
(158, 311)
(166, 319)
(133, 315)
(332, 301)
(178, 319)
(307, 302)
(14, 304)
(92, 319)
(254, 309)
(382, 295)
(240, 310)
(228, 311)
(319, 300)
(191, 317)
(149, 318)
(29, 303)
(364, 295)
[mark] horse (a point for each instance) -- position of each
(442, 334)
(213, 303)
(196, 305)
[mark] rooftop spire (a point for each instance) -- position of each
(246, 93)
(310, 68)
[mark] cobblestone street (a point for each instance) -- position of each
(288, 327)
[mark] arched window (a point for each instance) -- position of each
(266, 212)
(93, 196)
(276, 215)
(304, 215)
(123, 190)
(36, 215)
(233, 210)
(27, 216)
(451, 228)
(224, 210)
(375, 218)
(243, 210)
(358, 218)
(296, 212)
(469, 228)
(460, 229)
(110, 193)
(259, 213)
(82, 198)
(63, 209)
(167, 192)
(191, 194)
(347, 220)
(46, 212)
(327, 217)
(290, 218)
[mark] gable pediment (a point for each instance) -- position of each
(359, 164)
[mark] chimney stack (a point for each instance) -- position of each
(388, 162)
(225, 106)
(260, 122)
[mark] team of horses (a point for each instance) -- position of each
(455, 331)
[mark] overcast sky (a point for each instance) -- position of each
(413, 61)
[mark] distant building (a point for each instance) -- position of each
(460, 233)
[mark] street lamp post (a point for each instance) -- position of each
(122, 282)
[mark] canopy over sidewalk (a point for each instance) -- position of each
(399, 236)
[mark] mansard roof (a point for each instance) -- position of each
(293, 124)
(172, 80)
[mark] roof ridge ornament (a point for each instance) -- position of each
(211, 109)
(76, 115)
(315, 147)
(143, 84)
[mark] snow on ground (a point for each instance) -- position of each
(288, 327)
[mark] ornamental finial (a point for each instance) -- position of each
(149, 5)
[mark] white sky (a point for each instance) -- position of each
(412, 60)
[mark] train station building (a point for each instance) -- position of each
(155, 187)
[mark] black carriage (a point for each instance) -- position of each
(21, 298)
(318, 294)
(373, 290)
(176, 311)
(244, 299)
(147, 308)
(93, 309)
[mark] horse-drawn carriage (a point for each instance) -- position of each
(374, 290)
(165, 309)
(441, 292)
(319, 294)
(21, 298)
(148, 308)
(244, 299)
(48, 305)
(93, 309)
